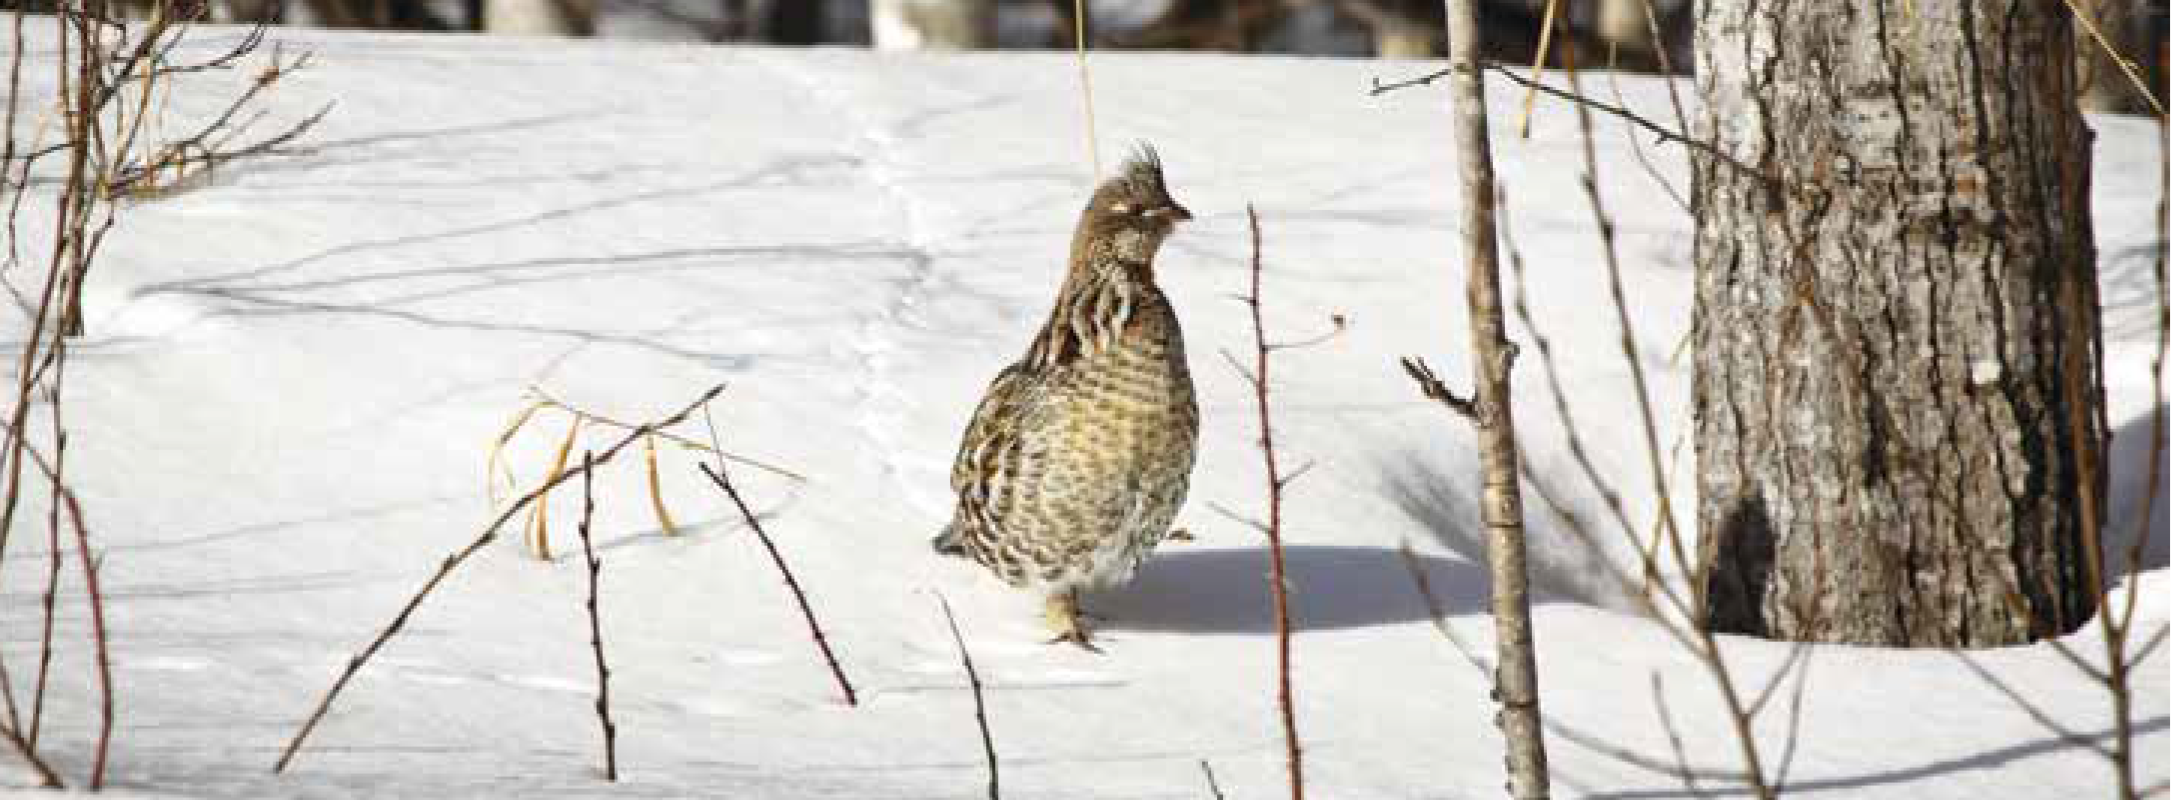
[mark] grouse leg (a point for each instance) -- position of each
(1065, 621)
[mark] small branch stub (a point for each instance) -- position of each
(1431, 386)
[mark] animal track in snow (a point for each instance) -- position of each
(882, 400)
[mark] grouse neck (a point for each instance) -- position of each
(1091, 311)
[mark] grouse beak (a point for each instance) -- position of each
(1178, 213)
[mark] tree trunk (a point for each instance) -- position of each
(1623, 24)
(1515, 681)
(794, 22)
(1899, 419)
(931, 24)
(540, 17)
(1403, 42)
(1228, 25)
(1396, 33)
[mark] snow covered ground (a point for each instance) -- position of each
(294, 374)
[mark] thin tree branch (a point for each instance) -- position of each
(2150, 645)
(1739, 716)
(1430, 385)
(1664, 133)
(54, 562)
(98, 618)
(595, 617)
(1603, 222)
(1292, 751)
(806, 610)
(47, 778)
(980, 704)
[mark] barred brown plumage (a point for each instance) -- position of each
(1080, 453)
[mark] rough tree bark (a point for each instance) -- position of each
(1897, 363)
(931, 24)
(1515, 682)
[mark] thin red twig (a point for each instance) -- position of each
(98, 621)
(47, 778)
(1294, 752)
(980, 703)
(814, 628)
(595, 618)
(54, 562)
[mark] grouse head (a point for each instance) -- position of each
(1132, 212)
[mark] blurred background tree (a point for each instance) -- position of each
(1629, 34)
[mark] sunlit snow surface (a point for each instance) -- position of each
(294, 373)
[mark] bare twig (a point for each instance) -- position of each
(1562, 412)
(1663, 133)
(595, 618)
(1337, 326)
(1794, 717)
(806, 610)
(98, 618)
(1430, 385)
(980, 704)
(38, 354)
(1740, 715)
(2149, 645)
(1636, 145)
(196, 152)
(1603, 222)
(1258, 377)
(1427, 79)
(52, 576)
(452, 562)
(47, 778)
